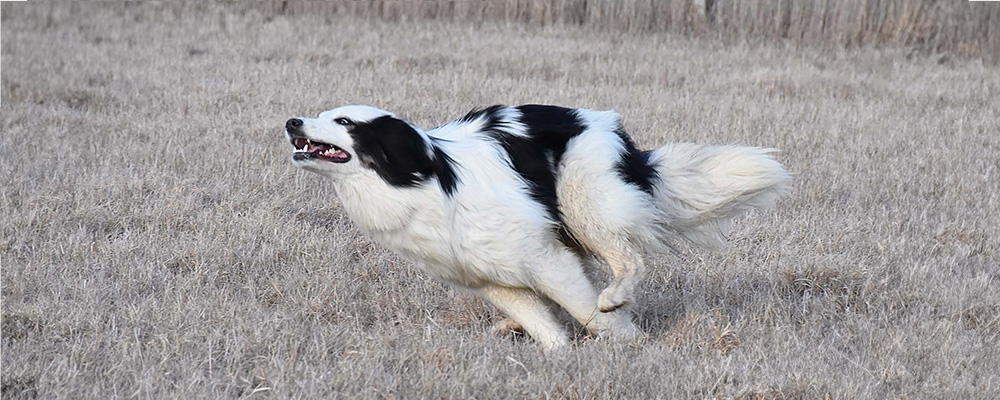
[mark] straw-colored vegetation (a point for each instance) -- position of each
(156, 243)
(960, 27)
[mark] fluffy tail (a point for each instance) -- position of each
(702, 188)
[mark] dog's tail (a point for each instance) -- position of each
(700, 189)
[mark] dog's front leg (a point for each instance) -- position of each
(530, 311)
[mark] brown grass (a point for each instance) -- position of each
(156, 243)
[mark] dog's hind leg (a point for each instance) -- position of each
(626, 267)
(562, 279)
(530, 311)
(610, 218)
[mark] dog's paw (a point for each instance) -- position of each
(506, 327)
(612, 298)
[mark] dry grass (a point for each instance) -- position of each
(956, 27)
(156, 243)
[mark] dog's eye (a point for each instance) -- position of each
(343, 121)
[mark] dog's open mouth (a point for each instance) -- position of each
(306, 149)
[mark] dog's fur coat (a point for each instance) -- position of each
(510, 201)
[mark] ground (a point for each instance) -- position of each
(157, 243)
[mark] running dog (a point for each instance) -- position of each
(510, 202)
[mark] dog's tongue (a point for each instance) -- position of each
(318, 149)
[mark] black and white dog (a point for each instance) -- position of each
(510, 202)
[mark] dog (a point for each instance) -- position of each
(511, 202)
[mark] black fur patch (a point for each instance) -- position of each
(634, 166)
(445, 171)
(536, 155)
(490, 113)
(398, 154)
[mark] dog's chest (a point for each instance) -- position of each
(426, 241)
(413, 223)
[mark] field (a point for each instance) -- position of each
(156, 242)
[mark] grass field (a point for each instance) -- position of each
(155, 241)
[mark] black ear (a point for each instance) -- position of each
(394, 150)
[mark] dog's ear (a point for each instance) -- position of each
(393, 149)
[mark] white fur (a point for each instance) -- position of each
(492, 237)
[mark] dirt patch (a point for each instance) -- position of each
(17, 326)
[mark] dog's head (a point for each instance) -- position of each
(353, 139)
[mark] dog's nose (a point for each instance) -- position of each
(293, 124)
